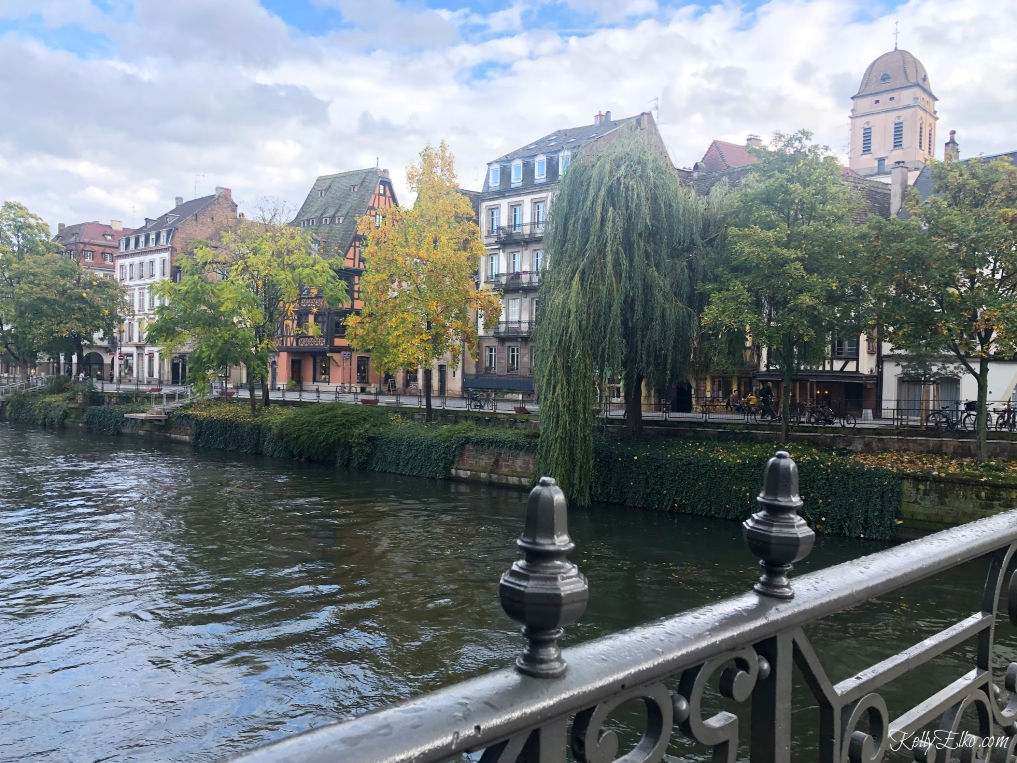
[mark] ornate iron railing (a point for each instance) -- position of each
(557, 704)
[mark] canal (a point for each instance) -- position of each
(157, 603)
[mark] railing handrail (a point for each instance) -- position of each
(483, 711)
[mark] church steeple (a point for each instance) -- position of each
(894, 116)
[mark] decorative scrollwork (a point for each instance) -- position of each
(720, 731)
(860, 747)
(591, 743)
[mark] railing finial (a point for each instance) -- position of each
(777, 535)
(544, 591)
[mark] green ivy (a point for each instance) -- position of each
(109, 419)
(34, 409)
(722, 480)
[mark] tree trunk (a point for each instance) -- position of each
(264, 391)
(251, 396)
(428, 414)
(981, 430)
(634, 404)
(785, 405)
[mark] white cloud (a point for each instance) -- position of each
(198, 94)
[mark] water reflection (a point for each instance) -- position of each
(157, 605)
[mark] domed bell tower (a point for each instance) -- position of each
(893, 118)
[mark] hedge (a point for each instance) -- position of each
(34, 409)
(109, 419)
(842, 497)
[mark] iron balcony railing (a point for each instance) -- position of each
(514, 328)
(519, 231)
(747, 654)
(517, 280)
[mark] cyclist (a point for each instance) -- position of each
(766, 397)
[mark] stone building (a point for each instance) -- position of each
(150, 254)
(513, 205)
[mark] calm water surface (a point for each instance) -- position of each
(162, 604)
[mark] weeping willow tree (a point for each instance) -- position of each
(621, 245)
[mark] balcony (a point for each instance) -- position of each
(510, 329)
(519, 232)
(519, 280)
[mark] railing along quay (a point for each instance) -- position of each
(556, 705)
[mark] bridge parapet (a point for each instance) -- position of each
(744, 649)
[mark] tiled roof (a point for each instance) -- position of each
(181, 211)
(91, 233)
(722, 155)
(334, 197)
(892, 71)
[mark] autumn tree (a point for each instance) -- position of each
(233, 295)
(944, 280)
(621, 242)
(418, 288)
(785, 280)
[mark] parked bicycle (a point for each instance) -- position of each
(478, 401)
(946, 419)
(824, 415)
(1005, 418)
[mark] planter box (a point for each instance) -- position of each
(369, 400)
(521, 409)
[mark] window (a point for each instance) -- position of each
(137, 239)
(866, 140)
(494, 177)
(881, 165)
(898, 134)
(151, 268)
(151, 364)
(151, 300)
(513, 359)
(322, 368)
(338, 221)
(540, 168)
(517, 172)
(490, 358)
(538, 259)
(123, 272)
(363, 369)
(141, 332)
(321, 193)
(492, 266)
(921, 135)
(89, 256)
(130, 271)
(107, 257)
(845, 348)
(324, 221)
(493, 220)
(378, 220)
(539, 215)
(515, 262)
(354, 189)
(162, 268)
(513, 310)
(130, 332)
(516, 213)
(123, 244)
(564, 159)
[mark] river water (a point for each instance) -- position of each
(157, 603)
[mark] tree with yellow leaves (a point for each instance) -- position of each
(418, 288)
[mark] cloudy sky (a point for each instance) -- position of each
(111, 108)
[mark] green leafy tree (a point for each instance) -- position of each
(944, 281)
(23, 235)
(418, 287)
(621, 242)
(233, 296)
(785, 281)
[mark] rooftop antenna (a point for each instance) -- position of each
(376, 160)
(656, 109)
(896, 31)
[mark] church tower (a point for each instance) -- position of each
(893, 118)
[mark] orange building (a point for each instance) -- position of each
(330, 212)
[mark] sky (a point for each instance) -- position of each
(111, 108)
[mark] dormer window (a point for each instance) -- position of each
(564, 159)
(321, 193)
(517, 172)
(324, 221)
(339, 221)
(354, 188)
(540, 168)
(494, 177)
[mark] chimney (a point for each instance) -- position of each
(607, 116)
(179, 200)
(951, 150)
(60, 227)
(898, 187)
(222, 191)
(385, 174)
(754, 141)
(116, 224)
(598, 118)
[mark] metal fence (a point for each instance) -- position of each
(752, 650)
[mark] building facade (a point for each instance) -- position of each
(513, 206)
(150, 254)
(331, 212)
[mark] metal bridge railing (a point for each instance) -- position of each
(556, 704)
